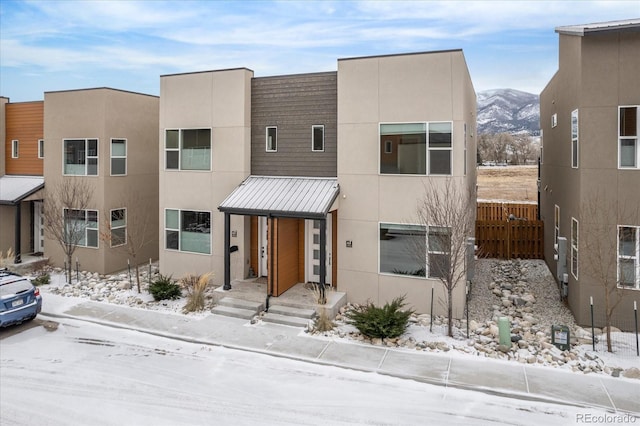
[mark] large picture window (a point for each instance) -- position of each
(574, 139)
(118, 157)
(415, 148)
(81, 227)
(81, 157)
(574, 248)
(629, 256)
(188, 149)
(118, 227)
(402, 250)
(188, 230)
(628, 129)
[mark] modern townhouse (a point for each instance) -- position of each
(590, 167)
(107, 139)
(21, 178)
(296, 178)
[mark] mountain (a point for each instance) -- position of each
(508, 110)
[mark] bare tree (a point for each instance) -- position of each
(65, 210)
(447, 207)
(493, 147)
(599, 260)
(522, 148)
(137, 233)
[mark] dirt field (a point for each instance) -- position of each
(510, 183)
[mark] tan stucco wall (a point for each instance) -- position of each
(595, 76)
(404, 88)
(3, 132)
(220, 100)
(105, 114)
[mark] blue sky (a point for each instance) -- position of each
(62, 45)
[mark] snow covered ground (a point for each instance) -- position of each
(85, 374)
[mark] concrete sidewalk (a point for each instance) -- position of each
(456, 370)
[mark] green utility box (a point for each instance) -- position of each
(561, 337)
(504, 331)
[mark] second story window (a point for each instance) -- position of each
(80, 157)
(15, 146)
(574, 139)
(188, 149)
(628, 129)
(118, 157)
(40, 148)
(317, 138)
(272, 139)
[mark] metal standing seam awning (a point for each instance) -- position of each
(14, 190)
(275, 196)
(299, 197)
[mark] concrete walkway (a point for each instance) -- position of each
(457, 370)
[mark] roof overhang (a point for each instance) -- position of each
(296, 197)
(632, 25)
(14, 189)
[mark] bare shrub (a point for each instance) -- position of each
(196, 287)
(323, 322)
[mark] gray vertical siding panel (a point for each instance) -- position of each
(293, 104)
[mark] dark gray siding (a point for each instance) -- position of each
(293, 104)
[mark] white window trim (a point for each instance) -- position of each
(556, 223)
(40, 148)
(554, 120)
(97, 228)
(541, 146)
(427, 149)
(313, 127)
(266, 138)
(575, 154)
(86, 156)
(179, 150)
(15, 148)
(126, 153)
(575, 247)
(637, 138)
(164, 236)
(636, 257)
(126, 234)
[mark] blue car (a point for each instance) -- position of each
(20, 300)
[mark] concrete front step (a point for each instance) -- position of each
(229, 311)
(292, 312)
(285, 319)
(241, 304)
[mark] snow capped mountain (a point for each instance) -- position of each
(508, 110)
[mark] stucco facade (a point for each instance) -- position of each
(80, 127)
(584, 177)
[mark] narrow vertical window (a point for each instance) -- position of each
(628, 130)
(574, 248)
(556, 224)
(272, 139)
(554, 120)
(40, 148)
(440, 147)
(541, 147)
(574, 139)
(15, 145)
(118, 157)
(118, 227)
(465, 149)
(629, 256)
(317, 134)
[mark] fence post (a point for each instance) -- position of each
(635, 315)
(593, 334)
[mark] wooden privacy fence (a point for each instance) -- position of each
(499, 237)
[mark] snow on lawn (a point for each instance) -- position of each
(87, 374)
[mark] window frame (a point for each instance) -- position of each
(575, 139)
(180, 148)
(554, 120)
(541, 146)
(556, 223)
(313, 137)
(575, 242)
(15, 148)
(112, 227)
(635, 258)
(40, 148)
(635, 139)
(87, 228)
(87, 157)
(117, 157)
(179, 231)
(428, 149)
(266, 139)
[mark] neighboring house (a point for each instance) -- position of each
(590, 169)
(295, 178)
(109, 139)
(21, 177)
